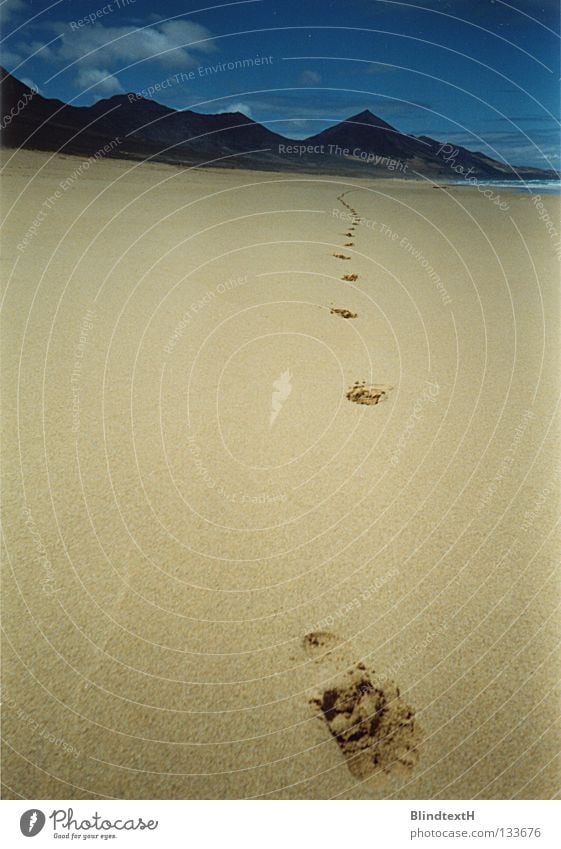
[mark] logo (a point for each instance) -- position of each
(31, 822)
(282, 387)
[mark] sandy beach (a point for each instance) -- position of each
(279, 457)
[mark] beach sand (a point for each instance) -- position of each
(192, 498)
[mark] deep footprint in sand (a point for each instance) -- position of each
(375, 729)
(341, 256)
(350, 277)
(343, 312)
(372, 393)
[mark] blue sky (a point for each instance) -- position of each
(481, 73)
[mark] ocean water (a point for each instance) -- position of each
(543, 187)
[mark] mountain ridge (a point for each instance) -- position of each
(148, 129)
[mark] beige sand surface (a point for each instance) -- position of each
(188, 492)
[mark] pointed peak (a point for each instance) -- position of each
(368, 117)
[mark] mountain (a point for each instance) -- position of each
(142, 127)
(480, 164)
(173, 131)
(130, 126)
(367, 132)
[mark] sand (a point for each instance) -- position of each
(189, 492)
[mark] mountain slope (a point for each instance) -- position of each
(144, 128)
(367, 132)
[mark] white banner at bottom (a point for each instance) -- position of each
(272, 824)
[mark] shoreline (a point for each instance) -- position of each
(256, 167)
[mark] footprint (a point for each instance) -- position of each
(318, 644)
(348, 235)
(341, 256)
(375, 729)
(363, 393)
(348, 244)
(343, 312)
(350, 277)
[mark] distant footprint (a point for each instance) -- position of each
(363, 393)
(319, 643)
(341, 256)
(343, 312)
(374, 728)
(350, 277)
(348, 245)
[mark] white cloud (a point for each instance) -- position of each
(104, 82)
(381, 68)
(9, 8)
(310, 78)
(30, 84)
(117, 47)
(175, 44)
(10, 59)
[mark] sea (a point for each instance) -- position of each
(540, 187)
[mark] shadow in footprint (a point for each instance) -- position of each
(375, 729)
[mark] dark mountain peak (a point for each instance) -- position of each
(125, 99)
(367, 117)
(367, 132)
(229, 118)
(128, 100)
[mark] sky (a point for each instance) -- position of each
(484, 74)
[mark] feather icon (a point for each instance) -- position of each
(282, 387)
